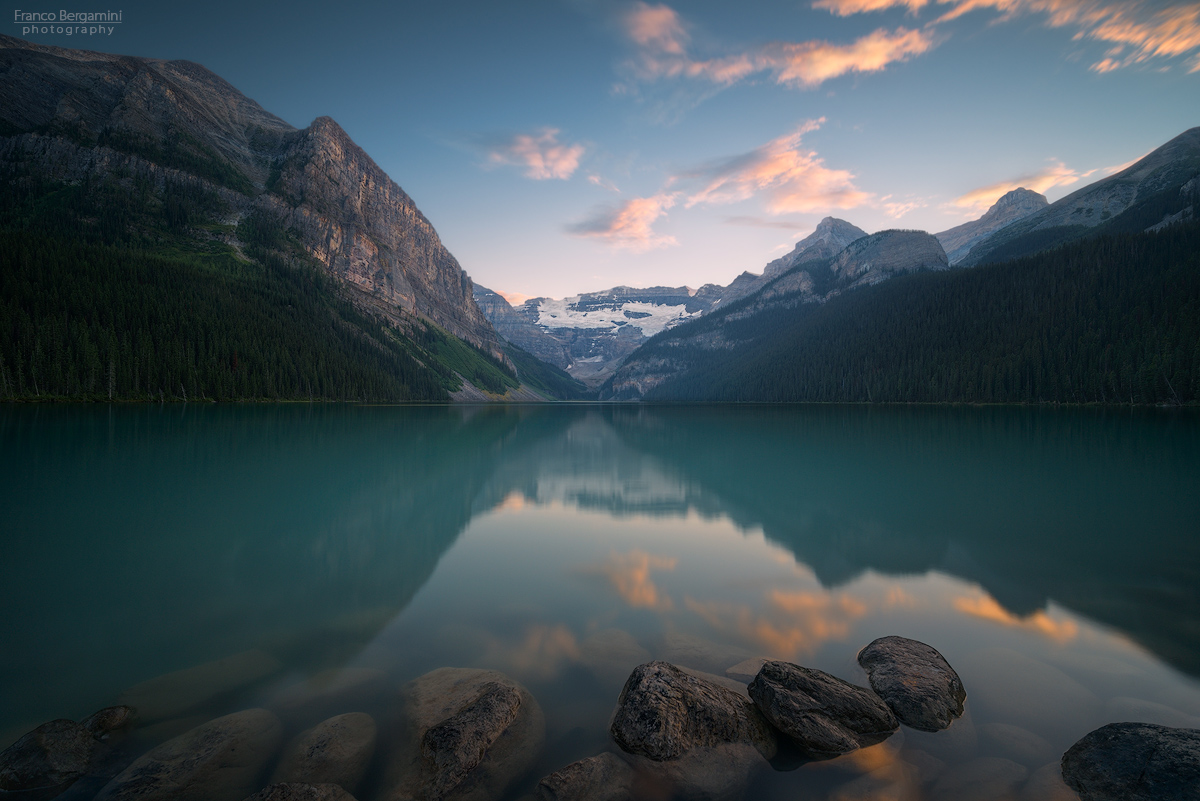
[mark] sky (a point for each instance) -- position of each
(567, 146)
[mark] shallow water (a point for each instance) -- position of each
(1053, 556)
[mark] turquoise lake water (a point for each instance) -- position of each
(1053, 557)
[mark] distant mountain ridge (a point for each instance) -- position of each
(1013, 206)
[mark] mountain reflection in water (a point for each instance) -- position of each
(141, 540)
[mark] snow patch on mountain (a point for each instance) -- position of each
(651, 318)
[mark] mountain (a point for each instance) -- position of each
(173, 167)
(1015, 205)
(589, 335)
(1110, 319)
(738, 330)
(1155, 191)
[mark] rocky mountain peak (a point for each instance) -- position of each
(1011, 207)
(829, 238)
(1018, 202)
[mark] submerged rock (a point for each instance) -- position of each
(1135, 762)
(221, 760)
(108, 720)
(823, 715)
(52, 755)
(301, 791)
(663, 713)
(471, 735)
(915, 681)
(335, 751)
(605, 777)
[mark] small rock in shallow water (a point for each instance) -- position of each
(605, 777)
(221, 760)
(663, 713)
(1135, 762)
(301, 791)
(335, 751)
(55, 753)
(915, 681)
(471, 734)
(823, 715)
(108, 720)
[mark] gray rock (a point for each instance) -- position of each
(336, 751)
(915, 681)
(663, 713)
(1135, 762)
(108, 720)
(471, 735)
(605, 777)
(53, 754)
(222, 760)
(823, 715)
(172, 694)
(301, 791)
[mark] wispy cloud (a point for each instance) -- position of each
(844, 8)
(898, 208)
(630, 225)
(541, 154)
(514, 299)
(1137, 30)
(789, 177)
(1057, 174)
(603, 183)
(663, 51)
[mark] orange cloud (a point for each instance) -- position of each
(809, 64)
(514, 299)
(790, 624)
(542, 155)
(1059, 174)
(629, 574)
(629, 225)
(792, 179)
(844, 8)
(662, 52)
(987, 608)
(1138, 30)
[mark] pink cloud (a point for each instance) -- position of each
(788, 176)
(514, 298)
(844, 8)
(1138, 30)
(541, 154)
(980, 200)
(663, 52)
(629, 226)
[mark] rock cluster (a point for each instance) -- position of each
(53, 756)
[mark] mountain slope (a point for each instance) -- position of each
(1015, 205)
(183, 161)
(1157, 189)
(1114, 319)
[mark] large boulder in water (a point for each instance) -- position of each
(221, 760)
(301, 791)
(823, 715)
(52, 755)
(471, 735)
(1135, 762)
(663, 713)
(915, 681)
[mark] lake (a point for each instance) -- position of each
(313, 559)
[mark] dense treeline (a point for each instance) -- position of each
(1110, 320)
(125, 291)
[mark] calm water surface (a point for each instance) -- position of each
(322, 556)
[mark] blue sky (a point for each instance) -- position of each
(561, 146)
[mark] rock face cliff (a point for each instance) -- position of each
(517, 329)
(69, 114)
(1015, 205)
(886, 254)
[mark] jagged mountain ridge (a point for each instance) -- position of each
(66, 114)
(1156, 190)
(1013, 206)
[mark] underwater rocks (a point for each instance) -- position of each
(471, 735)
(335, 751)
(222, 760)
(301, 791)
(50, 758)
(823, 715)
(915, 681)
(1135, 762)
